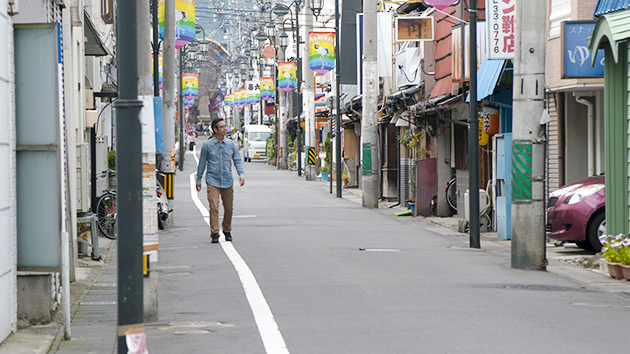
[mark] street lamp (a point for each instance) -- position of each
(270, 29)
(316, 7)
(284, 41)
(203, 47)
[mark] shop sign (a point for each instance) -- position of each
(413, 28)
(441, 4)
(576, 57)
(500, 16)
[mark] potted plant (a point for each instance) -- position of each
(345, 178)
(324, 171)
(616, 252)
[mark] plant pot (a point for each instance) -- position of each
(413, 208)
(615, 270)
(625, 269)
(324, 176)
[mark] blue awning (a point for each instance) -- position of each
(607, 6)
(487, 77)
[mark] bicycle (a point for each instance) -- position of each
(451, 193)
(292, 161)
(107, 208)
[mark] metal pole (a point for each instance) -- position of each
(129, 178)
(168, 85)
(156, 49)
(369, 157)
(473, 133)
(528, 215)
(299, 88)
(338, 100)
(180, 109)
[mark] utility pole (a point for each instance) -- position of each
(298, 105)
(129, 179)
(145, 91)
(168, 85)
(338, 99)
(369, 121)
(180, 109)
(473, 133)
(282, 119)
(310, 171)
(528, 218)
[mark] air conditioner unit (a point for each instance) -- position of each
(483, 202)
(407, 67)
(84, 202)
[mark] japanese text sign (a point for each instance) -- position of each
(414, 28)
(576, 57)
(500, 16)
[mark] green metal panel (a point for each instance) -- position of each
(367, 159)
(616, 140)
(521, 172)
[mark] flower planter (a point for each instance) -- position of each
(625, 269)
(615, 270)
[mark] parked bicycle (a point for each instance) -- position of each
(107, 207)
(163, 205)
(451, 193)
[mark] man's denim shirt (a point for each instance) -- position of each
(218, 156)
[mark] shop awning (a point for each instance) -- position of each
(94, 45)
(612, 28)
(487, 77)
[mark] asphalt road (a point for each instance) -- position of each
(339, 278)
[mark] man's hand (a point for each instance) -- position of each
(241, 180)
(198, 186)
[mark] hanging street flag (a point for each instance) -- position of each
(254, 92)
(287, 75)
(184, 21)
(266, 88)
(190, 85)
(189, 103)
(321, 57)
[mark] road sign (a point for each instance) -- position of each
(311, 156)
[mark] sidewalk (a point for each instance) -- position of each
(567, 261)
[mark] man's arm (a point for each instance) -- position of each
(238, 163)
(202, 165)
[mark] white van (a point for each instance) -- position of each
(255, 141)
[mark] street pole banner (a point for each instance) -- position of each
(287, 76)
(159, 70)
(184, 21)
(321, 56)
(500, 19)
(188, 103)
(266, 88)
(254, 92)
(190, 85)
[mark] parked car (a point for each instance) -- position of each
(255, 142)
(576, 213)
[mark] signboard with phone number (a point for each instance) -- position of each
(500, 19)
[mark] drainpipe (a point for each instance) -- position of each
(589, 105)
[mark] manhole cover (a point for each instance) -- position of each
(379, 250)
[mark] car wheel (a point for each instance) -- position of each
(597, 231)
(585, 245)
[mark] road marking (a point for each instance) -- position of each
(267, 327)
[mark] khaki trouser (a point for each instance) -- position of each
(227, 196)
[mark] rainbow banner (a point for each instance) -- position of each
(188, 103)
(266, 88)
(190, 85)
(184, 21)
(287, 76)
(254, 92)
(159, 69)
(321, 57)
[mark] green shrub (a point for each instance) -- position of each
(111, 160)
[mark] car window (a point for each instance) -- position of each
(259, 136)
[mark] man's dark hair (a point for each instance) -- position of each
(215, 123)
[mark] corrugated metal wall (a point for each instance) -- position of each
(553, 148)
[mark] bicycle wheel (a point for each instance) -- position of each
(291, 162)
(106, 212)
(451, 195)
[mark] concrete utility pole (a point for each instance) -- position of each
(168, 84)
(473, 134)
(145, 91)
(369, 121)
(282, 119)
(528, 218)
(308, 103)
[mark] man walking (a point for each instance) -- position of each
(218, 153)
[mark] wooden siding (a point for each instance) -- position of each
(553, 163)
(627, 65)
(616, 144)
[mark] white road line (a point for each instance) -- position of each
(267, 327)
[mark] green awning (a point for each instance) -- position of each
(612, 28)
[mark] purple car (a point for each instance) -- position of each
(576, 213)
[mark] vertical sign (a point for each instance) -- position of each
(287, 76)
(322, 52)
(500, 19)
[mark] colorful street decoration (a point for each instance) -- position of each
(322, 52)
(266, 88)
(287, 76)
(184, 21)
(254, 92)
(190, 85)
(188, 103)
(159, 69)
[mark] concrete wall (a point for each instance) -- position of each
(8, 236)
(576, 136)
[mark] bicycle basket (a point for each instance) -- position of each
(111, 180)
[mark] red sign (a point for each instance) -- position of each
(441, 4)
(269, 108)
(269, 52)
